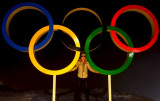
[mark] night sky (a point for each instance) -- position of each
(141, 78)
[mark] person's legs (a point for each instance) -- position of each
(86, 89)
(78, 93)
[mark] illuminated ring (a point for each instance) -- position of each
(100, 70)
(14, 10)
(148, 14)
(81, 9)
(36, 37)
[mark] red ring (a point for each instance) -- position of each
(143, 11)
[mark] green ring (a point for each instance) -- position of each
(100, 70)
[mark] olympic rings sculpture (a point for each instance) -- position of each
(51, 28)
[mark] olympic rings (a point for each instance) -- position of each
(14, 10)
(127, 40)
(20, 7)
(35, 38)
(148, 14)
(81, 9)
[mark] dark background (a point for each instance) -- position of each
(141, 78)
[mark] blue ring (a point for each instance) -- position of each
(21, 48)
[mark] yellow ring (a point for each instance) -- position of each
(36, 37)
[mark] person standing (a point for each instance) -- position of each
(83, 66)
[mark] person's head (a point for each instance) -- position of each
(83, 57)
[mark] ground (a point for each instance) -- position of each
(96, 94)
